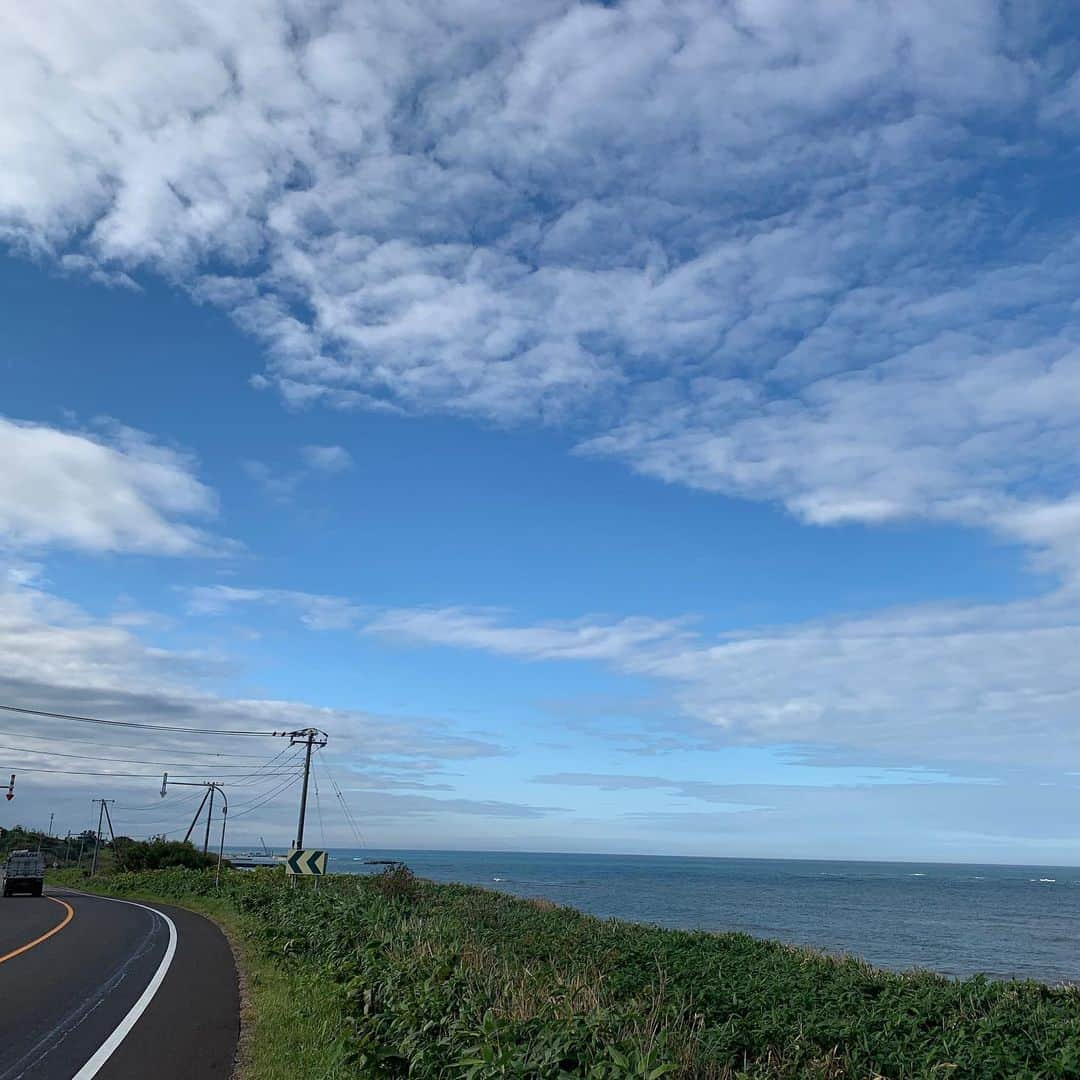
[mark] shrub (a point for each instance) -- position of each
(158, 854)
(396, 883)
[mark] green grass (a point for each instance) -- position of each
(393, 977)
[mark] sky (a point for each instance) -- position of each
(630, 427)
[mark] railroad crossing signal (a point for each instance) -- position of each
(309, 862)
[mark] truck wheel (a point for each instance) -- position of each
(37, 889)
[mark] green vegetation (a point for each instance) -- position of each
(392, 976)
(157, 854)
(63, 852)
(58, 850)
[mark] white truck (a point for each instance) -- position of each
(22, 871)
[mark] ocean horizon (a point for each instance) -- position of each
(958, 919)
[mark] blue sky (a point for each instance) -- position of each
(641, 427)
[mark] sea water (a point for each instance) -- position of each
(1004, 921)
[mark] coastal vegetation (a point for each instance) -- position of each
(123, 853)
(391, 976)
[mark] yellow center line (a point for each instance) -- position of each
(44, 937)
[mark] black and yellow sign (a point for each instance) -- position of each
(306, 861)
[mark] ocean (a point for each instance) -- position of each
(1004, 921)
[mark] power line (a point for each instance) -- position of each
(142, 808)
(318, 806)
(276, 784)
(272, 789)
(134, 723)
(128, 746)
(126, 761)
(254, 776)
(345, 808)
(252, 807)
(172, 824)
(83, 772)
(119, 775)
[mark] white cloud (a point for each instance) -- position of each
(317, 612)
(117, 491)
(53, 656)
(331, 459)
(279, 486)
(761, 249)
(947, 686)
(579, 640)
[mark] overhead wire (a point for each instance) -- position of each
(251, 807)
(129, 746)
(183, 800)
(84, 772)
(318, 802)
(294, 753)
(345, 809)
(22, 710)
(119, 775)
(126, 761)
(268, 791)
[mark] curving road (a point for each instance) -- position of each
(95, 987)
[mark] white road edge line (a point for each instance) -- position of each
(108, 1047)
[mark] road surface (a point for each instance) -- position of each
(94, 987)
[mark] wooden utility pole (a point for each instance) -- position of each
(309, 738)
(97, 836)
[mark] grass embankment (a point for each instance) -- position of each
(394, 977)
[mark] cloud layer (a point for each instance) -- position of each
(784, 251)
(964, 687)
(55, 657)
(950, 686)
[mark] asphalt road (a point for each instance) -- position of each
(92, 987)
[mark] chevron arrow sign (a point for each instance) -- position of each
(306, 861)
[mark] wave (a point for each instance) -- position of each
(1044, 880)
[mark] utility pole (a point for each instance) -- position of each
(311, 738)
(97, 836)
(195, 819)
(221, 846)
(211, 786)
(51, 816)
(209, 816)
